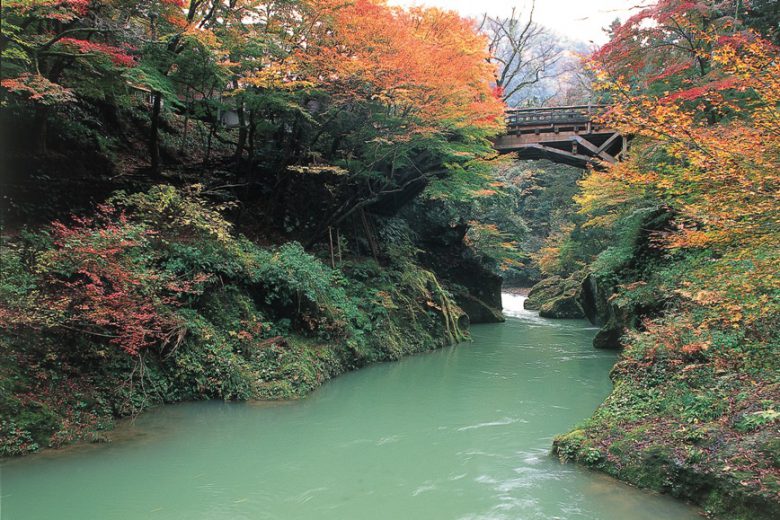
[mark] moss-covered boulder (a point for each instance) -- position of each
(608, 336)
(557, 297)
(542, 292)
(562, 307)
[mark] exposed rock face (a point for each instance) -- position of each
(557, 297)
(598, 291)
(594, 299)
(479, 311)
(475, 287)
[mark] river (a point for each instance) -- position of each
(460, 433)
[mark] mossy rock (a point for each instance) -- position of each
(542, 292)
(557, 297)
(566, 447)
(562, 307)
(608, 337)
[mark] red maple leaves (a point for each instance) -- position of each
(101, 281)
(117, 55)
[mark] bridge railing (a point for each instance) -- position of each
(518, 117)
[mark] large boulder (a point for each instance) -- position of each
(608, 336)
(562, 307)
(542, 292)
(557, 297)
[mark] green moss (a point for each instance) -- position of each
(567, 446)
(263, 322)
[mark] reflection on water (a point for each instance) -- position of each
(461, 433)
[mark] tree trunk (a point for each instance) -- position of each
(41, 129)
(183, 141)
(251, 144)
(207, 157)
(154, 137)
(242, 132)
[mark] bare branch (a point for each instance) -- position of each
(523, 51)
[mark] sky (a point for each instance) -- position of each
(581, 20)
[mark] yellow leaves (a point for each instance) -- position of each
(604, 193)
(278, 75)
(548, 258)
(723, 176)
(203, 36)
(426, 62)
(707, 297)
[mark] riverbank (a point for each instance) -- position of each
(140, 306)
(694, 431)
(408, 439)
(692, 412)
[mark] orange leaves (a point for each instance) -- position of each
(707, 146)
(672, 338)
(425, 63)
(39, 89)
(723, 176)
(692, 349)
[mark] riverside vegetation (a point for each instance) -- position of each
(250, 261)
(675, 252)
(241, 200)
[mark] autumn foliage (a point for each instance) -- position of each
(98, 279)
(705, 116)
(427, 64)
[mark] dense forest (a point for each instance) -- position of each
(246, 198)
(240, 199)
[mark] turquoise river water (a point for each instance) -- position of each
(461, 433)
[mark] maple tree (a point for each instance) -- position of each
(705, 117)
(101, 281)
(43, 41)
(426, 64)
(384, 99)
(407, 97)
(690, 255)
(722, 175)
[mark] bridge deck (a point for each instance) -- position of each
(569, 135)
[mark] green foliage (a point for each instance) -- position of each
(15, 440)
(755, 420)
(568, 446)
(147, 76)
(591, 456)
(211, 315)
(701, 407)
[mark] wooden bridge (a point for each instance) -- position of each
(567, 135)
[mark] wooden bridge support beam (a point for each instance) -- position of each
(568, 135)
